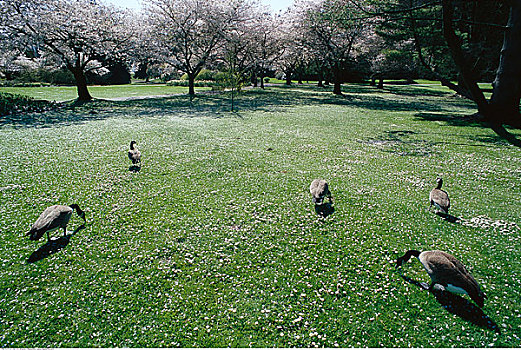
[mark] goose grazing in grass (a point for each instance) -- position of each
(52, 218)
(439, 198)
(447, 271)
(133, 154)
(319, 190)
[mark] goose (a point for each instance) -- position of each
(52, 218)
(439, 198)
(446, 271)
(133, 154)
(319, 190)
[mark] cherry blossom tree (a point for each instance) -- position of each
(332, 28)
(79, 34)
(268, 44)
(190, 31)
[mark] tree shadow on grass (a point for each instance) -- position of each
(502, 136)
(215, 105)
(52, 246)
(458, 306)
(452, 120)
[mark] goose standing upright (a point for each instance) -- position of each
(319, 190)
(52, 218)
(445, 270)
(439, 198)
(133, 154)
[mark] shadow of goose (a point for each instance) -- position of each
(324, 210)
(134, 168)
(52, 246)
(458, 306)
(449, 218)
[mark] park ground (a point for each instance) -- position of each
(214, 242)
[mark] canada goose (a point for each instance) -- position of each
(319, 190)
(133, 154)
(447, 271)
(439, 198)
(52, 218)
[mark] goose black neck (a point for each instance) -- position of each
(132, 144)
(406, 257)
(77, 208)
(415, 253)
(440, 182)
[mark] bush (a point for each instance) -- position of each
(14, 104)
(51, 77)
(204, 74)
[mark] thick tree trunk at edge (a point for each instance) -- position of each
(504, 103)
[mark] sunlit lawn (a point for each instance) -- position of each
(66, 93)
(215, 242)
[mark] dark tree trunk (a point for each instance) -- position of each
(288, 78)
(454, 44)
(504, 103)
(503, 108)
(320, 77)
(141, 73)
(191, 84)
(380, 83)
(337, 88)
(81, 84)
(262, 79)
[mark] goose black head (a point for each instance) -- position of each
(403, 259)
(439, 182)
(80, 212)
(132, 143)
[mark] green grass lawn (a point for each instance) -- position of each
(215, 242)
(67, 93)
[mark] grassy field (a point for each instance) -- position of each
(67, 93)
(215, 242)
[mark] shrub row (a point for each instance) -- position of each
(197, 83)
(14, 104)
(18, 83)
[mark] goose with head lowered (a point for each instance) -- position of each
(53, 218)
(446, 271)
(439, 198)
(133, 154)
(319, 190)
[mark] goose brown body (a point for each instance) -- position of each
(53, 218)
(447, 271)
(439, 198)
(133, 154)
(319, 190)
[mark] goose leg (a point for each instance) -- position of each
(425, 286)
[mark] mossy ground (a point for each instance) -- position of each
(215, 242)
